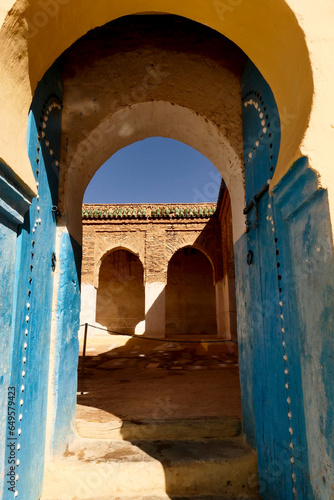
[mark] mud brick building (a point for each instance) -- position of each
(160, 269)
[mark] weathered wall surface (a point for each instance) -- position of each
(29, 26)
(96, 74)
(32, 298)
(13, 204)
(305, 233)
(155, 233)
(154, 238)
(228, 315)
(190, 95)
(190, 295)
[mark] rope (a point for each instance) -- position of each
(139, 337)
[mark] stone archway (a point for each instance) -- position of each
(140, 120)
(27, 27)
(154, 101)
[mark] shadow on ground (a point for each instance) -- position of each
(170, 407)
(149, 379)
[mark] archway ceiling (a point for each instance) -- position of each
(146, 87)
(120, 66)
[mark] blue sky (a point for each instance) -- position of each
(156, 170)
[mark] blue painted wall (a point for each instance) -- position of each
(7, 251)
(270, 372)
(14, 202)
(67, 346)
(33, 289)
(249, 322)
(305, 222)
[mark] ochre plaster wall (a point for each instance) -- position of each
(266, 31)
(190, 294)
(228, 281)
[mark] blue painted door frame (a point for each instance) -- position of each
(306, 235)
(273, 410)
(33, 292)
(67, 344)
(14, 202)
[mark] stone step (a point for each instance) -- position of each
(178, 429)
(167, 497)
(101, 469)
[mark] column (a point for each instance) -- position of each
(225, 309)
(155, 294)
(88, 306)
(222, 331)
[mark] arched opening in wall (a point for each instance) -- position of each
(190, 295)
(168, 194)
(242, 24)
(120, 302)
(165, 376)
(199, 381)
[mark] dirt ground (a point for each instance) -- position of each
(158, 380)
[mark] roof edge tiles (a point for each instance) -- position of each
(151, 211)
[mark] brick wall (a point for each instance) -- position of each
(152, 232)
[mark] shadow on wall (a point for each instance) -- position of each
(187, 305)
(121, 293)
(190, 294)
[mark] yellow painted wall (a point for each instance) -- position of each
(292, 47)
(316, 20)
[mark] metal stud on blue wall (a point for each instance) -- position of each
(33, 291)
(272, 402)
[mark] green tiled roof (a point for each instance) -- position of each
(168, 211)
